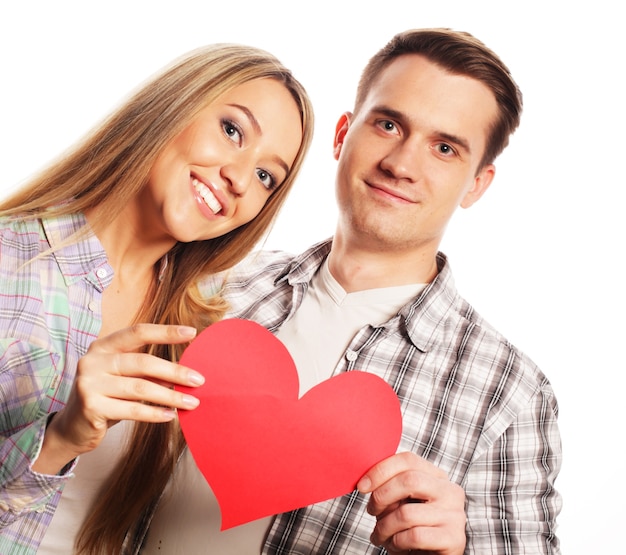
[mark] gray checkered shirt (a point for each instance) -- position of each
(472, 404)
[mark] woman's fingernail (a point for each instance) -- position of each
(195, 378)
(170, 414)
(187, 331)
(190, 401)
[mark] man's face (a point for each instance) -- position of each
(409, 157)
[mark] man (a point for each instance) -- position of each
(480, 448)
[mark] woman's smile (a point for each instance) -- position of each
(206, 198)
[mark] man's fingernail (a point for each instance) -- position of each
(364, 485)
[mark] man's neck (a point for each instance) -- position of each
(359, 269)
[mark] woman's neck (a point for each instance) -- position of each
(133, 259)
(131, 250)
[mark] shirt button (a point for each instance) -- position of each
(101, 273)
(352, 355)
(93, 306)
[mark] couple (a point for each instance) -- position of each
(151, 219)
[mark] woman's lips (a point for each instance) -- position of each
(207, 195)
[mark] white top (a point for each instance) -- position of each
(187, 521)
(329, 318)
(80, 492)
(188, 518)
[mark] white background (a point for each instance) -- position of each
(541, 256)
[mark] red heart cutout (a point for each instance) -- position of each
(264, 451)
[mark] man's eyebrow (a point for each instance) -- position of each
(455, 139)
(255, 124)
(388, 112)
(401, 117)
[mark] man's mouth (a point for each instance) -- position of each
(207, 195)
(392, 192)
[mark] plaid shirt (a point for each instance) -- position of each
(49, 314)
(472, 404)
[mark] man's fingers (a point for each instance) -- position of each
(395, 465)
(424, 526)
(408, 485)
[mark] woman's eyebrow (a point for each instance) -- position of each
(250, 116)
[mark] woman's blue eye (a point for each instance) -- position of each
(232, 131)
(266, 178)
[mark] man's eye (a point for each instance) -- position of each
(445, 149)
(388, 125)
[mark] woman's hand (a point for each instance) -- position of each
(417, 508)
(115, 382)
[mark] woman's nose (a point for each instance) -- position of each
(238, 175)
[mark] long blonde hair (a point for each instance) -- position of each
(107, 169)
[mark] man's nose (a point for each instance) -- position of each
(402, 161)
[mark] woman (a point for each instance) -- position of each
(99, 257)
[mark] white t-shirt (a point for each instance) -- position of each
(92, 470)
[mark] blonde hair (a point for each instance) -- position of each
(107, 170)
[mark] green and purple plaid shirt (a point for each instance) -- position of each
(49, 314)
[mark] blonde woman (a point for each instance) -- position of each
(99, 259)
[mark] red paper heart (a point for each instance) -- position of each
(264, 451)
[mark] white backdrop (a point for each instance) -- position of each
(541, 255)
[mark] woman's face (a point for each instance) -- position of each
(217, 174)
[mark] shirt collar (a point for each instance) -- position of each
(304, 266)
(424, 316)
(82, 259)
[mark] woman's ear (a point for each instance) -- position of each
(340, 132)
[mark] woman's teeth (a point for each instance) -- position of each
(208, 197)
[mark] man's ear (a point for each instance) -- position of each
(340, 133)
(481, 183)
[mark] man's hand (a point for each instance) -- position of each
(417, 508)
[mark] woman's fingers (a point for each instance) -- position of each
(137, 365)
(115, 382)
(139, 379)
(133, 338)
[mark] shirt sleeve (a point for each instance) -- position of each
(512, 503)
(26, 372)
